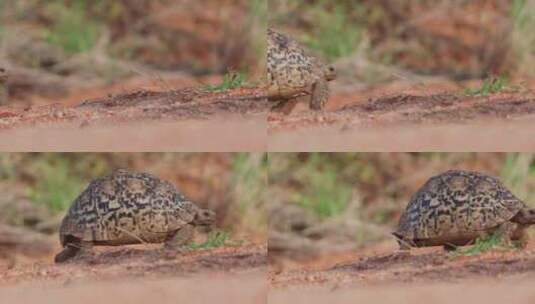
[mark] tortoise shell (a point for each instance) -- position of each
(456, 205)
(292, 68)
(127, 208)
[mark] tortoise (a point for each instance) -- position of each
(292, 71)
(129, 208)
(456, 207)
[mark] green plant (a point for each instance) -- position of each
(483, 244)
(523, 36)
(255, 29)
(72, 30)
(215, 239)
(8, 167)
(249, 180)
(517, 172)
(490, 86)
(231, 80)
(335, 35)
(324, 194)
(55, 186)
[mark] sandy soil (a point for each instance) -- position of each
(184, 120)
(518, 289)
(414, 121)
(147, 261)
(236, 133)
(237, 288)
(137, 274)
(379, 274)
(480, 136)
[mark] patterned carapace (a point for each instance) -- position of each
(129, 208)
(456, 207)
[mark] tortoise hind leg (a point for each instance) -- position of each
(449, 247)
(67, 253)
(404, 246)
(74, 250)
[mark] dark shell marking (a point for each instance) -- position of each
(458, 206)
(129, 208)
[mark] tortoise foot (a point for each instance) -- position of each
(66, 254)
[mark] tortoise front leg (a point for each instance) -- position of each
(319, 95)
(506, 232)
(285, 106)
(522, 236)
(179, 238)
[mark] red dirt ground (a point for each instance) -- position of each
(426, 275)
(395, 119)
(517, 289)
(410, 119)
(141, 274)
(184, 120)
(239, 288)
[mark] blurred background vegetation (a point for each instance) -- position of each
(328, 202)
(312, 203)
(55, 47)
(70, 50)
(450, 38)
(38, 188)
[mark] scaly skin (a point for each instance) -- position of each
(292, 72)
(456, 207)
(128, 208)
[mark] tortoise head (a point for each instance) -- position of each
(204, 217)
(329, 73)
(3, 74)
